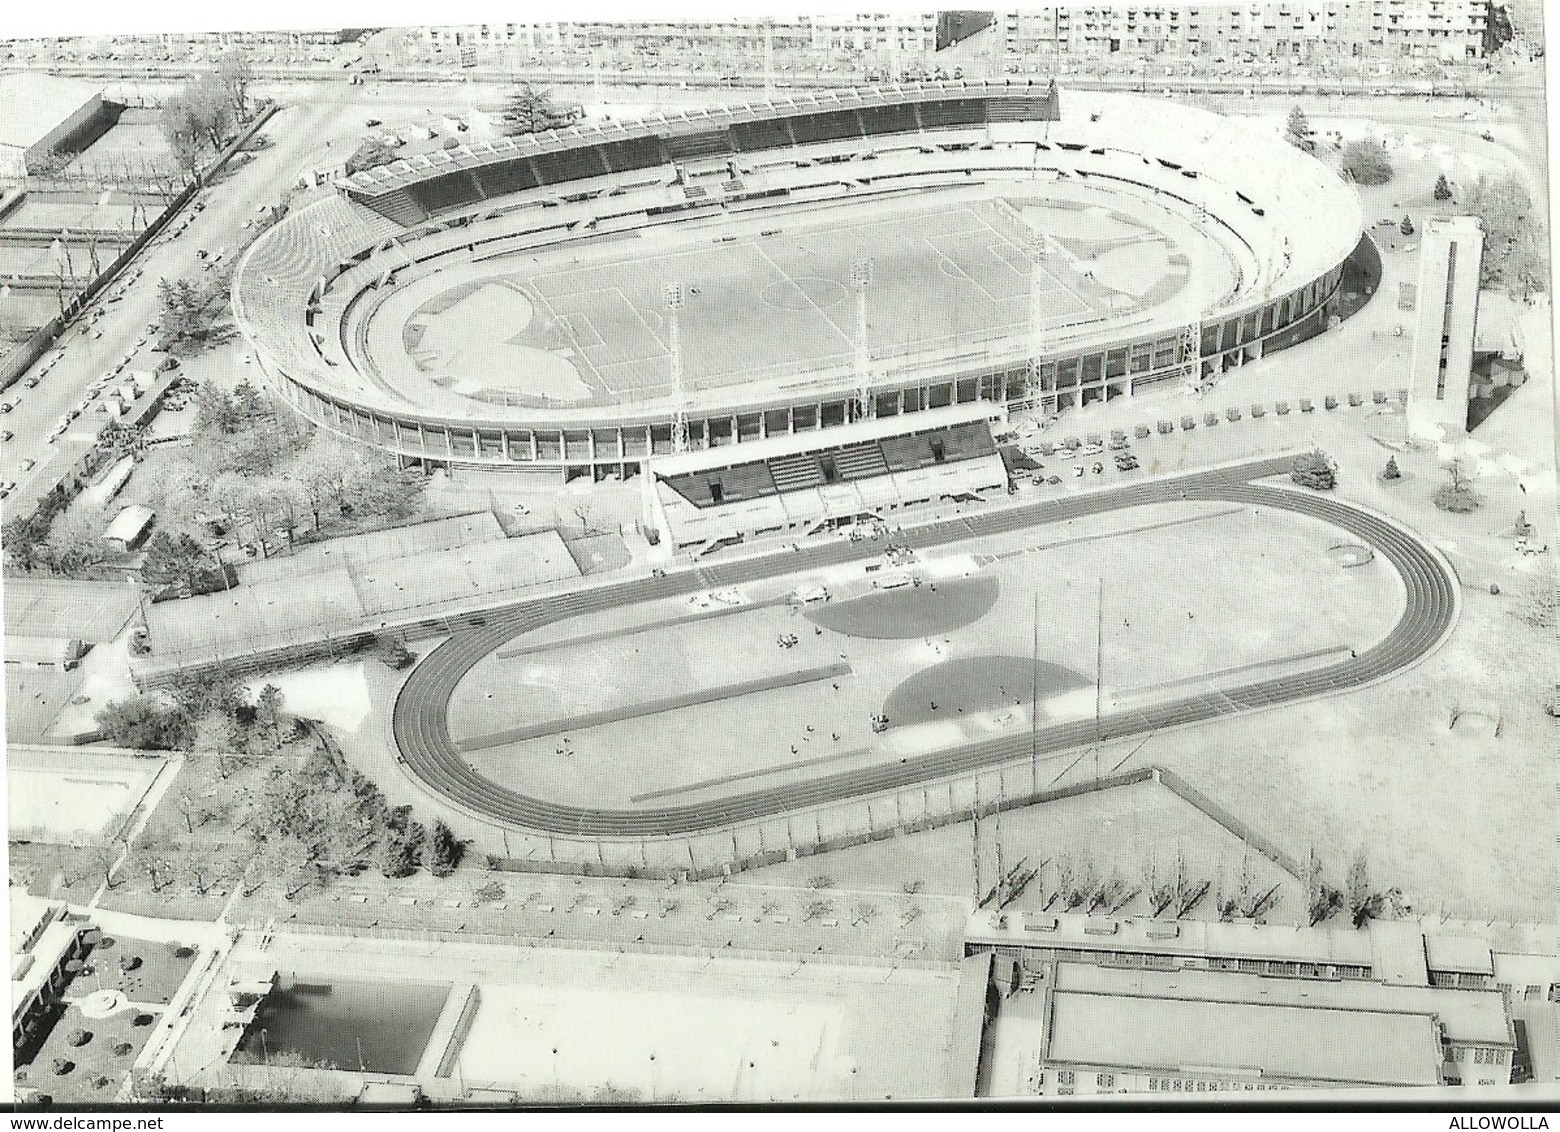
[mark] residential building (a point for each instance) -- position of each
(1302, 31)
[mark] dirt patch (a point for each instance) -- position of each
(977, 684)
(911, 611)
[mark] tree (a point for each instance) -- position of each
(370, 154)
(143, 723)
(1457, 495)
(1364, 903)
(444, 851)
(1407, 227)
(76, 539)
(1391, 472)
(1515, 243)
(1314, 470)
(23, 539)
(175, 559)
(191, 313)
(1297, 130)
(1365, 161)
(1443, 190)
(268, 709)
(235, 72)
(529, 110)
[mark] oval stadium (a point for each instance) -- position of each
(577, 302)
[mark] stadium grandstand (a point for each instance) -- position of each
(1062, 199)
(860, 473)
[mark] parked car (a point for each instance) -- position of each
(32, 382)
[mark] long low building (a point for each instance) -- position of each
(1280, 223)
(1093, 1004)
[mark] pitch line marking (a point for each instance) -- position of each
(786, 276)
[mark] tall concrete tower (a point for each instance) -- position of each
(1446, 306)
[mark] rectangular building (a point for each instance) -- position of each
(1447, 306)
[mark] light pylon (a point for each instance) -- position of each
(1192, 332)
(673, 294)
(860, 279)
(1035, 394)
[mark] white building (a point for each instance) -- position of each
(1446, 310)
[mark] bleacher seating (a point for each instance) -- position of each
(889, 119)
(860, 461)
(796, 473)
(635, 153)
(400, 207)
(766, 134)
(506, 177)
(725, 485)
(446, 192)
(958, 112)
(829, 126)
(906, 453)
(966, 442)
(570, 165)
(686, 147)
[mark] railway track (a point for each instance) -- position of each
(420, 718)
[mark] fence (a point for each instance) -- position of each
(435, 936)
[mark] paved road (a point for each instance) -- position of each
(229, 203)
(420, 718)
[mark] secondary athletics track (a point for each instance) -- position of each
(422, 732)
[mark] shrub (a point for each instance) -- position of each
(1210, 419)
(1330, 401)
(79, 1037)
(1458, 495)
(1232, 414)
(1378, 397)
(1402, 396)
(1306, 406)
(395, 655)
(1282, 408)
(1391, 472)
(1314, 470)
(1258, 411)
(1165, 427)
(1142, 431)
(1355, 400)
(1188, 423)
(1118, 434)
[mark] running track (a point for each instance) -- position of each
(421, 725)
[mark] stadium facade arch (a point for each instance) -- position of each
(1246, 239)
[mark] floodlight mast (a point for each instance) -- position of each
(1192, 332)
(672, 293)
(1035, 394)
(861, 273)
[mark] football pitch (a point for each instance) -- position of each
(767, 303)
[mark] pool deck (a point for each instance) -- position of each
(446, 1032)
